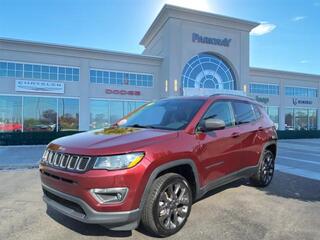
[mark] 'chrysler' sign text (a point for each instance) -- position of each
(39, 86)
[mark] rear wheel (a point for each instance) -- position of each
(168, 205)
(266, 170)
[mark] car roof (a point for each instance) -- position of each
(188, 97)
(218, 96)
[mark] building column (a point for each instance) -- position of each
(282, 116)
(282, 106)
(318, 119)
(84, 114)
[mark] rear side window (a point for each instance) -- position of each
(221, 110)
(257, 111)
(243, 112)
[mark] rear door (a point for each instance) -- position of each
(249, 127)
(219, 150)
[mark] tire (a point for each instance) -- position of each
(174, 208)
(265, 172)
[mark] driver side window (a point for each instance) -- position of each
(221, 110)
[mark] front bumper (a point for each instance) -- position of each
(80, 185)
(64, 203)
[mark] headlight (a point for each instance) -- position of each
(118, 161)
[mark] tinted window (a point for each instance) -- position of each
(273, 114)
(171, 114)
(10, 117)
(222, 111)
(257, 111)
(243, 112)
(68, 114)
(40, 114)
(150, 118)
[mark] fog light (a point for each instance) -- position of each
(109, 195)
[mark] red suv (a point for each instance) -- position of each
(150, 166)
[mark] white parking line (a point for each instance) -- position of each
(295, 147)
(299, 172)
(299, 160)
(294, 151)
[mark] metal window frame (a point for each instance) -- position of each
(268, 88)
(305, 108)
(124, 72)
(302, 87)
(43, 64)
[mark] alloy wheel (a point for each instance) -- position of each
(173, 205)
(267, 168)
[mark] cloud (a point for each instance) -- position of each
(262, 29)
(298, 18)
(304, 61)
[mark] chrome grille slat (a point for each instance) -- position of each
(64, 161)
(57, 159)
(54, 158)
(73, 162)
(67, 161)
(50, 158)
(45, 155)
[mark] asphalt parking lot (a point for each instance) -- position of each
(287, 209)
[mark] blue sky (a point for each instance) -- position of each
(288, 39)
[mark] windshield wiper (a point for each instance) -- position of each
(147, 126)
(139, 126)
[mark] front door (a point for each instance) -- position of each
(219, 150)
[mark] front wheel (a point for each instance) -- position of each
(266, 170)
(168, 205)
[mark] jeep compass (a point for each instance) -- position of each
(150, 166)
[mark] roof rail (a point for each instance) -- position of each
(229, 92)
(237, 93)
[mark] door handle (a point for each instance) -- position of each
(260, 129)
(235, 134)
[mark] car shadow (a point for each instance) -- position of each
(283, 185)
(83, 228)
(295, 187)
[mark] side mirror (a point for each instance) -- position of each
(211, 124)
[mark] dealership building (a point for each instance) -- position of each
(51, 87)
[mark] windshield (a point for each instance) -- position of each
(170, 114)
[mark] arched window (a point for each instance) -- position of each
(207, 71)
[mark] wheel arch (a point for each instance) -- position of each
(270, 145)
(175, 166)
(273, 148)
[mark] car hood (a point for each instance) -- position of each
(110, 141)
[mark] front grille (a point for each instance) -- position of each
(66, 161)
(72, 205)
